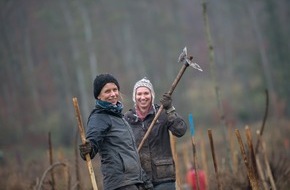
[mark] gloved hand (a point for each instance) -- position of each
(166, 101)
(85, 148)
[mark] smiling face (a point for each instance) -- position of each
(109, 93)
(143, 97)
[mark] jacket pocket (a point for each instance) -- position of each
(164, 169)
(130, 165)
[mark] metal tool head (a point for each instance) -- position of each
(187, 60)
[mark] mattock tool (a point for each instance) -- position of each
(187, 61)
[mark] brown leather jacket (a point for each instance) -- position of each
(155, 154)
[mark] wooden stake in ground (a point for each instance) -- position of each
(174, 153)
(268, 168)
(250, 172)
(264, 121)
(51, 161)
(204, 159)
(83, 139)
(77, 167)
(261, 173)
(191, 124)
(214, 158)
(185, 154)
(251, 151)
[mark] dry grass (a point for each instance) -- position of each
(17, 174)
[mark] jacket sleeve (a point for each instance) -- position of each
(97, 127)
(176, 124)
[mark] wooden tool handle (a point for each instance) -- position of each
(83, 139)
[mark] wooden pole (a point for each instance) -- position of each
(261, 173)
(186, 157)
(251, 175)
(268, 168)
(51, 161)
(175, 158)
(264, 120)
(251, 150)
(204, 159)
(77, 167)
(192, 131)
(83, 139)
(214, 158)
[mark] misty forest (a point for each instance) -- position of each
(51, 51)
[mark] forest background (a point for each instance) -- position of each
(50, 52)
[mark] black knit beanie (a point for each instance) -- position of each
(101, 80)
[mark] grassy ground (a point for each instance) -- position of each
(25, 168)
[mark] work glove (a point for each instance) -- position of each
(166, 101)
(85, 148)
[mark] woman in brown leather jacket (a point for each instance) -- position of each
(155, 154)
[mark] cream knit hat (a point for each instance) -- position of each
(145, 83)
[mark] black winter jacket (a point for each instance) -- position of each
(155, 154)
(113, 139)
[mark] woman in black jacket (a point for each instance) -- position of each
(110, 135)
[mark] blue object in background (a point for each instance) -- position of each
(191, 124)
